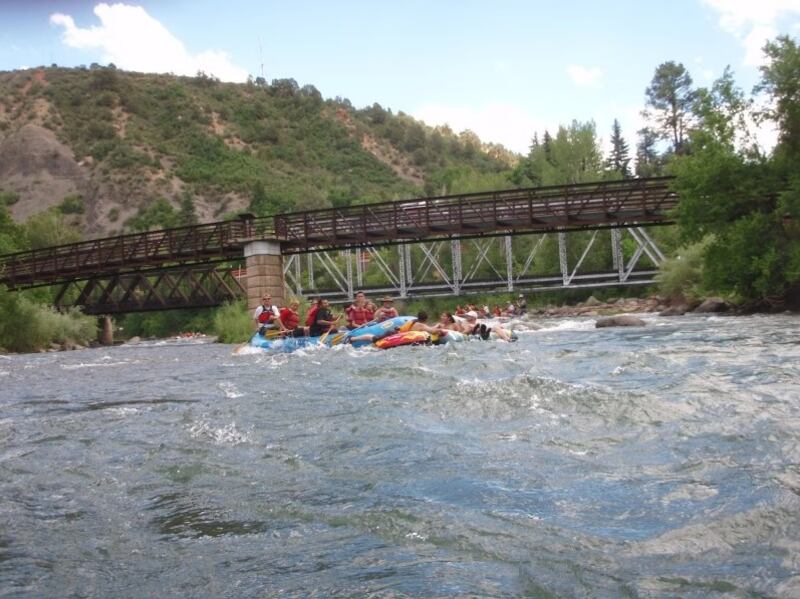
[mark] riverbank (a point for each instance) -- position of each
(632, 305)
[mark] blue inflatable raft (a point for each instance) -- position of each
(359, 337)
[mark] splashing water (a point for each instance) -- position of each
(655, 461)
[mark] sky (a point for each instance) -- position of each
(505, 69)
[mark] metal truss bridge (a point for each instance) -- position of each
(448, 245)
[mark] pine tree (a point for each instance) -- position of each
(647, 162)
(547, 145)
(618, 161)
(671, 96)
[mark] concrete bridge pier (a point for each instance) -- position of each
(264, 264)
(105, 335)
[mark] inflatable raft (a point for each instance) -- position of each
(359, 337)
(393, 332)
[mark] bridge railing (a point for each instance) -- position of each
(545, 208)
(196, 243)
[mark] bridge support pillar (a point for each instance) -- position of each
(264, 264)
(106, 333)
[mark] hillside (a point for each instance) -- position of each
(117, 151)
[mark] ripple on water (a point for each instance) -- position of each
(656, 462)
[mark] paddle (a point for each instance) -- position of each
(272, 333)
(328, 332)
(351, 333)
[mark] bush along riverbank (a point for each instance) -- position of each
(27, 326)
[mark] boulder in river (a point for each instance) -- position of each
(675, 310)
(592, 301)
(713, 304)
(621, 320)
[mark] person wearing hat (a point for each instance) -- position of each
(386, 311)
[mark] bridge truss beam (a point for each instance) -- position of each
(440, 268)
(198, 286)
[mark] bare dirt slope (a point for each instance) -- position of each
(41, 169)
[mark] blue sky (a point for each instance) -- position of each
(504, 69)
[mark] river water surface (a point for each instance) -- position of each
(652, 462)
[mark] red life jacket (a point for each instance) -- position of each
(290, 319)
(266, 316)
(312, 315)
(359, 316)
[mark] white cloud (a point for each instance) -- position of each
(753, 22)
(584, 76)
(135, 41)
(499, 123)
(705, 72)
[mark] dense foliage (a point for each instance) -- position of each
(749, 201)
(26, 320)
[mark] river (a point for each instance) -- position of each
(660, 461)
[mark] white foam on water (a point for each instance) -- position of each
(122, 411)
(96, 365)
(583, 324)
(225, 435)
(247, 350)
(230, 390)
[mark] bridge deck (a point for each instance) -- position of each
(567, 207)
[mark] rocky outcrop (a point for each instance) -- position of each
(621, 320)
(595, 307)
(592, 302)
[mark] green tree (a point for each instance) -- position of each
(648, 163)
(670, 96)
(572, 156)
(157, 215)
(748, 201)
(50, 228)
(12, 235)
(187, 214)
(618, 161)
(780, 79)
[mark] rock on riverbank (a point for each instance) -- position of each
(631, 305)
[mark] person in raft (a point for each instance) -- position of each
(290, 319)
(522, 305)
(324, 322)
(448, 321)
(358, 313)
(421, 324)
(312, 312)
(267, 315)
(386, 311)
(475, 328)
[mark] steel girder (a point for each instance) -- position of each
(441, 267)
(202, 286)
